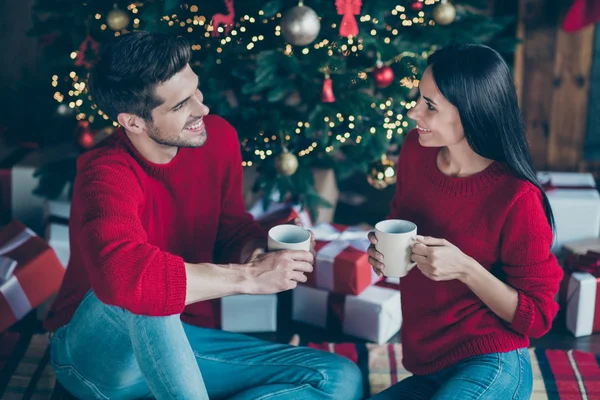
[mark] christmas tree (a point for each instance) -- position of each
(313, 84)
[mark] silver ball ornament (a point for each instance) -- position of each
(300, 25)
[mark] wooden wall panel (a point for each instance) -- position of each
(571, 84)
(552, 76)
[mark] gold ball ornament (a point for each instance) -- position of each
(300, 25)
(117, 19)
(381, 173)
(286, 163)
(444, 13)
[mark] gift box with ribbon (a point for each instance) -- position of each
(247, 313)
(342, 264)
(581, 293)
(575, 202)
(279, 214)
(374, 315)
(31, 272)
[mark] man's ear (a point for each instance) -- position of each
(132, 123)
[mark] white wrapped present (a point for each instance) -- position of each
(249, 313)
(583, 304)
(575, 202)
(374, 315)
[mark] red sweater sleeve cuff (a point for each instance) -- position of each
(177, 285)
(523, 319)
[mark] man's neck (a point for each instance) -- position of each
(154, 152)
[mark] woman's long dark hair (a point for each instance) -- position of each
(477, 81)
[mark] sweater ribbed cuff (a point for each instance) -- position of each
(177, 285)
(523, 316)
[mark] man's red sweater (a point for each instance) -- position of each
(498, 220)
(133, 224)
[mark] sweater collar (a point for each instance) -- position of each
(153, 168)
(463, 186)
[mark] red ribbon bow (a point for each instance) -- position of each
(588, 262)
(348, 8)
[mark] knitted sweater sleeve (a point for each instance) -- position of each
(124, 269)
(236, 226)
(530, 267)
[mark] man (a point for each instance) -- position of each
(154, 207)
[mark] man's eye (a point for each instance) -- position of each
(178, 107)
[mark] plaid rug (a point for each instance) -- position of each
(557, 374)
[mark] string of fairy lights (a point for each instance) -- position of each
(393, 122)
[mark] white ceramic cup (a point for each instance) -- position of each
(394, 241)
(288, 237)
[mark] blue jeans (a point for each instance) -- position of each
(106, 352)
(496, 376)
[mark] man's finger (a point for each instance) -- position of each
(300, 255)
(302, 267)
(299, 277)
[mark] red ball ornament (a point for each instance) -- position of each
(383, 75)
(86, 140)
(416, 6)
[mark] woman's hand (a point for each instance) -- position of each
(440, 260)
(375, 257)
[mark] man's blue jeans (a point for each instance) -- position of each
(106, 352)
(496, 376)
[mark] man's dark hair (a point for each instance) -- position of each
(130, 68)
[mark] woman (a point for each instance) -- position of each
(485, 279)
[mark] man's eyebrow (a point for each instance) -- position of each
(180, 103)
(186, 99)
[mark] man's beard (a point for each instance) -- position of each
(158, 137)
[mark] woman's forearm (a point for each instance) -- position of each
(502, 299)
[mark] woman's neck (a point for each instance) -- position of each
(460, 160)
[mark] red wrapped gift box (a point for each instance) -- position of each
(37, 275)
(342, 264)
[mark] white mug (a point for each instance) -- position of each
(288, 237)
(394, 241)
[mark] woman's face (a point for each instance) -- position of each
(438, 121)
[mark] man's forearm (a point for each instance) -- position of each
(207, 281)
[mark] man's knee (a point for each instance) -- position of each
(343, 378)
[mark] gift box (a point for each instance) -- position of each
(342, 264)
(36, 272)
(374, 315)
(583, 304)
(575, 202)
(18, 181)
(279, 214)
(248, 313)
(579, 293)
(57, 227)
